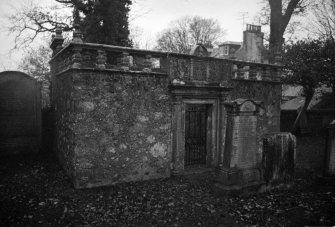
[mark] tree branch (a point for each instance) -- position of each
(289, 11)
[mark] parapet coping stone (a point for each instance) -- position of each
(158, 53)
(161, 74)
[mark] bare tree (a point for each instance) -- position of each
(140, 39)
(32, 20)
(102, 21)
(188, 31)
(323, 19)
(278, 15)
(35, 62)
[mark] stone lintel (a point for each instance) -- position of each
(189, 90)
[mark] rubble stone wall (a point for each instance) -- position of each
(113, 126)
(113, 108)
(64, 114)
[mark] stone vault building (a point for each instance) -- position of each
(125, 114)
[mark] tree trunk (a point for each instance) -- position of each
(302, 111)
(278, 24)
(276, 31)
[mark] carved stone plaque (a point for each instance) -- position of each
(241, 148)
(244, 142)
(199, 70)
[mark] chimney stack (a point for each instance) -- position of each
(253, 45)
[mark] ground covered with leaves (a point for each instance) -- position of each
(34, 191)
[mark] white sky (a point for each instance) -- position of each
(5, 43)
(227, 12)
(152, 16)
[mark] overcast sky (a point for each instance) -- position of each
(227, 12)
(152, 16)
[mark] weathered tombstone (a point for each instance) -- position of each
(278, 159)
(240, 169)
(330, 157)
(20, 113)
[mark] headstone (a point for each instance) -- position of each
(330, 158)
(243, 117)
(279, 151)
(20, 113)
(239, 168)
(244, 136)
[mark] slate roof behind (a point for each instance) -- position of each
(232, 43)
(320, 101)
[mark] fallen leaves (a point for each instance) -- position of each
(36, 192)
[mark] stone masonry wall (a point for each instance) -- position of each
(63, 104)
(268, 119)
(113, 114)
(120, 124)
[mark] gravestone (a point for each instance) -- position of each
(244, 136)
(330, 155)
(20, 113)
(279, 151)
(240, 169)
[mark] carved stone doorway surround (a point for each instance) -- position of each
(211, 96)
